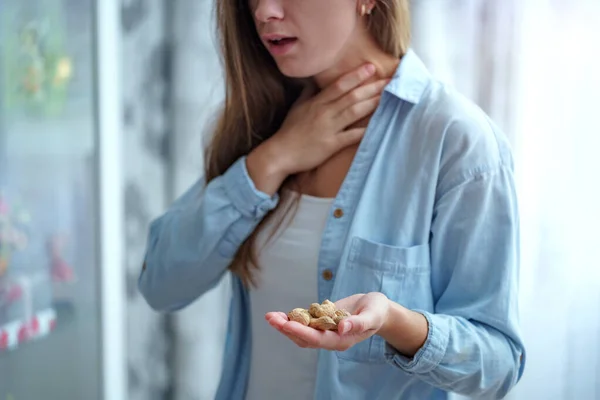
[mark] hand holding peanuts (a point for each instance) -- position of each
(333, 326)
(323, 316)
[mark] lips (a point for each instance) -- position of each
(279, 44)
(282, 41)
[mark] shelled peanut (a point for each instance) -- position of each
(324, 316)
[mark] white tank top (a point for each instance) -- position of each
(287, 280)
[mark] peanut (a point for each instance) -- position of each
(324, 316)
(324, 323)
(299, 315)
(340, 315)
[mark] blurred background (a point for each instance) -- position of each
(104, 108)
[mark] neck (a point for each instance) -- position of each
(358, 52)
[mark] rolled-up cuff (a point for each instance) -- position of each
(430, 355)
(245, 197)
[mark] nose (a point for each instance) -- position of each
(268, 10)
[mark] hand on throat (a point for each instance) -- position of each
(356, 54)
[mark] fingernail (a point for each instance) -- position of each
(346, 327)
(370, 68)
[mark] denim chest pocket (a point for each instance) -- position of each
(401, 273)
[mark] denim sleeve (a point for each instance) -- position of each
(190, 247)
(474, 345)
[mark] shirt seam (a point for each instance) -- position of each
(481, 172)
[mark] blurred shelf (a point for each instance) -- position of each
(55, 319)
(16, 333)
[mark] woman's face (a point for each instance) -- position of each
(305, 37)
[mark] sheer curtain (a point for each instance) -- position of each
(558, 137)
(535, 67)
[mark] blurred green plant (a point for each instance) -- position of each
(36, 67)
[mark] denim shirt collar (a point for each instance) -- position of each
(411, 79)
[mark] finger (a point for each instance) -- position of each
(359, 94)
(315, 338)
(349, 327)
(277, 320)
(346, 83)
(347, 303)
(272, 314)
(357, 111)
(283, 326)
(360, 324)
(299, 342)
(349, 137)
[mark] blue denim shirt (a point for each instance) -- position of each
(429, 218)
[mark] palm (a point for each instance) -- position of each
(368, 315)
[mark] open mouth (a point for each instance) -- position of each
(282, 41)
(279, 44)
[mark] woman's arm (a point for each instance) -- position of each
(405, 330)
(471, 344)
(191, 246)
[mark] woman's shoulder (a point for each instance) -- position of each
(466, 140)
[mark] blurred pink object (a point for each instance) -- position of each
(61, 270)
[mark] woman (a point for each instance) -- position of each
(340, 169)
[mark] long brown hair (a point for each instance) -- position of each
(258, 96)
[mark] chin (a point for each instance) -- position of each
(298, 69)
